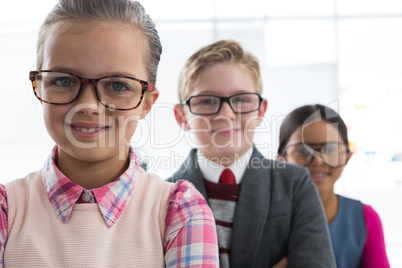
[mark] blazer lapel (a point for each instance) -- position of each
(252, 210)
(190, 171)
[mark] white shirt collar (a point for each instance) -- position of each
(212, 170)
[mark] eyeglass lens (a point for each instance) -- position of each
(118, 92)
(333, 154)
(240, 103)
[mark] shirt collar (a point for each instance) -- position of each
(212, 170)
(63, 194)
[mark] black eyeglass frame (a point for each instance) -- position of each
(224, 99)
(311, 148)
(146, 86)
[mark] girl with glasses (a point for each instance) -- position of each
(92, 205)
(315, 136)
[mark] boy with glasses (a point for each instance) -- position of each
(264, 210)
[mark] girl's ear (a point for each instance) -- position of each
(149, 100)
(180, 116)
(349, 156)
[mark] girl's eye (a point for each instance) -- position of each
(63, 82)
(302, 151)
(115, 86)
(331, 150)
(118, 87)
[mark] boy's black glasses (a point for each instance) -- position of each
(122, 93)
(210, 104)
(334, 154)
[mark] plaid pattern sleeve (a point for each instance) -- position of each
(190, 234)
(3, 222)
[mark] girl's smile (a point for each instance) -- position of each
(88, 130)
(319, 176)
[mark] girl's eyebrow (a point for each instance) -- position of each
(62, 69)
(74, 72)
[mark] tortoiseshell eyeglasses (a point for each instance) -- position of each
(122, 93)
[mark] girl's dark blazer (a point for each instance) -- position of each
(278, 213)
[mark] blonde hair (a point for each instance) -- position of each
(65, 12)
(224, 51)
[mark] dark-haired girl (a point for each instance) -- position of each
(315, 136)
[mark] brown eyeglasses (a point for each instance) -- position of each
(122, 93)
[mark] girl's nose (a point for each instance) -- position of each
(88, 100)
(317, 160)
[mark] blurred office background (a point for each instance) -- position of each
(343, 53)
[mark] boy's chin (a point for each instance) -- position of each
(225, 153)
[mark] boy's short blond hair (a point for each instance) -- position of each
(224, 51)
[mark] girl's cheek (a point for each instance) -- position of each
(336, 172)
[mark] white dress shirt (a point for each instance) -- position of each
(212, 170)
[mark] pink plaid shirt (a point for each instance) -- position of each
(190, 225)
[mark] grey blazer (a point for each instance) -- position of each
(278, 213)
